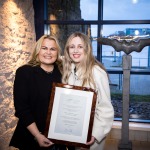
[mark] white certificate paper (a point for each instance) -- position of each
(71, 115)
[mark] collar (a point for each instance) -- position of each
(77, 73)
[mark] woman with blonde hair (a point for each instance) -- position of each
(80, 68)
(32, 89)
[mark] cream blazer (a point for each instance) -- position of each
(104, 112)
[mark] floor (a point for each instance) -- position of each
(136, 145)
(139, 135)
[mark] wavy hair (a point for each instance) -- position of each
(34, 61)
(85, 66)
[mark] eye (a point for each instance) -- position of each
(71, 47)
(44, 48)
(80, 46)
(53, 49)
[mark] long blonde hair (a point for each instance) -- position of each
(86, 65)
(34, 61)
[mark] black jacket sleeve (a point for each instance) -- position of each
(21, 95)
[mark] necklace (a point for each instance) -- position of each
(49, 72)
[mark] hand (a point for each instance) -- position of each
(43, 141)
(89, 143)
(92, 141)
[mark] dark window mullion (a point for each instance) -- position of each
(126, 21)
(100, 25)
(74, 22)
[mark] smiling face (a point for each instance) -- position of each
(48, 53)
(76, 50)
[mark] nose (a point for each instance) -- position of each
(76, 50)
(48, 51)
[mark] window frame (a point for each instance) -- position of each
(41, 20)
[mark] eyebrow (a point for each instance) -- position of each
(77, 44)
(51, 47)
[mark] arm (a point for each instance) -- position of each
(42, 140)
(104, 113)
(22, 104)
(21, 96)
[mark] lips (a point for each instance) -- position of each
(76, 55)
(48, 57)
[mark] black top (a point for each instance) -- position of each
(32, 89)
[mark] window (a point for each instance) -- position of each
(105, 18)
(126, 10)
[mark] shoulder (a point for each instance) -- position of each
(98, 71)
(24, 70)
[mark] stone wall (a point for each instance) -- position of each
(17, 39)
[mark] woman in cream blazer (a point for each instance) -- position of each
(82, 69)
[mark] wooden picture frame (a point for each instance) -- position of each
(70, 115)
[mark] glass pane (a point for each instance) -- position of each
(94, 41)
(126, 10)
(63, 31)
(63, 10)
(140, 97)
(116, 94)
(111, 58)
(116, 83)
(140, 60)
(121, 30)
(89, 9)
(72, 10)
(139, 108)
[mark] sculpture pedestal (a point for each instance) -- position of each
(125, 146)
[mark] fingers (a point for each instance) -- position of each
(91, 142)
(47, 143)
(43, 141)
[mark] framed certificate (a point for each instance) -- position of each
(70, 115)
